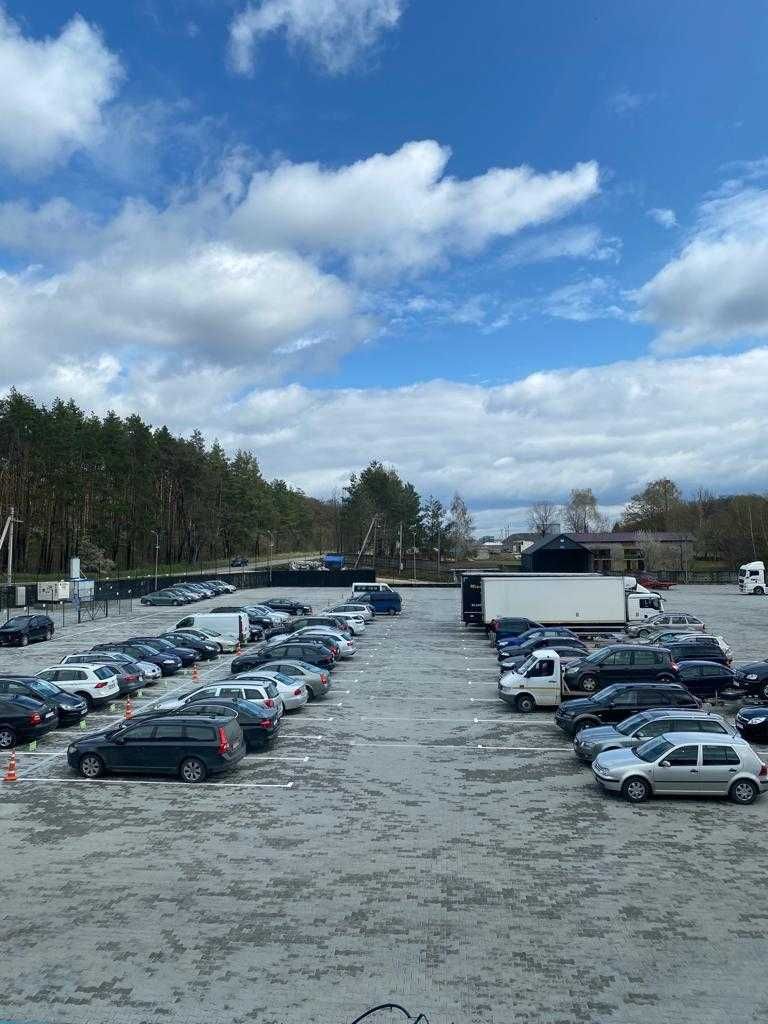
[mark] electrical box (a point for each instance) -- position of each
(53, 591)
(21, 596)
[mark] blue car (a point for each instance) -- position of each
(534, 634)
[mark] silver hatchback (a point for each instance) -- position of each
(682, 764)
(591, 742)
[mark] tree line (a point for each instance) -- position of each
(112, 489)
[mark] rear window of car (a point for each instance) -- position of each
(201, 733)
(232, 731)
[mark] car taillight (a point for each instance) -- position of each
(269, 703)
(323, 677)
(265, 723)
(34, 718)
(223, 741)
(763, 773)
(297, 693)
(99, 685)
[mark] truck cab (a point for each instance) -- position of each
(642, 604)
(537, 683)
(752, 578)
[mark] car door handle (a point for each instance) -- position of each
(732, 771)
(694, 771)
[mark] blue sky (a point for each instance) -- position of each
(495, 239)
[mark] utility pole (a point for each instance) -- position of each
(413, 548)
(401, 546)
(157, 552)
(8, 531)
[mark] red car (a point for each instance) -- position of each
(653, 584)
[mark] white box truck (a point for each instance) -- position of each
(584, 601)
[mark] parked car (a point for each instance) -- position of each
(365, 611)
(293, 650)
(69, 707)
(620, 663)
(292, 692)
(705, 678)
(555, 632)
(615, 703)
(589, 743)
(129, 681)
(259, 724)
(238, 563)
(223, 586)
(687, 650)
(511, 627)
(186, 655)
(206, 649)
(23, 719)
(665, 637)
(354, 622)
(333, 621)
(345, 645)
(680, 764)
(168, 664)
(566, 649)
(539, 643)
(223, 642)
(652, 583)
(316, 681)
(190, 746)
(680, 622)
(95, 684)
(751, 680)
(149, 673)
(265, 693)
(289, 605)
(752, 723)
(23, 629)
(162, 598)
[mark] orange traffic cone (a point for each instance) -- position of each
(195, 674)
(128, 708)
(10, 771)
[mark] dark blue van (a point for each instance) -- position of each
(382, 598)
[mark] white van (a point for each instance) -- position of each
(372, 588)
(230, 624)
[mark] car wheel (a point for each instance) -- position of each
(758, 590)
(90, 766)
(310, 694)
(743, 792)
(764, 689)
(24, 640)
(7, 737)
(49, 634)
(192, 770)
(87, 698)
(636, 790)
(589, 684)
(525, 704)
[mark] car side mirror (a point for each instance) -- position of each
(664, 764)
(119, 739)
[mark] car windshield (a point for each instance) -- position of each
(606, 696)
(597, 656)
(17, 622)
(526, 665)
(653, 749)
(45, 689)
(628, 726)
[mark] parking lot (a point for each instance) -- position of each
(407, 839)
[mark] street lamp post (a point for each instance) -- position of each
(413, 548)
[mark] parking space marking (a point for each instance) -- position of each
(158, 782)
(299, 736)
(490, 746)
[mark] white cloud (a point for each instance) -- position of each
(624, 101)
(400, 210)
(593, 299)
(663, 217)
(336, 32)
(716, 289)
(585, 427)
(52, 93)
(585, 241)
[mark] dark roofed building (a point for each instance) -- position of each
(559, 552)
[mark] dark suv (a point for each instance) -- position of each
(615, 703)
(697, 650)
(70, 707)
(291, 650)
(621, 663)
(22, 629)
(190, 746)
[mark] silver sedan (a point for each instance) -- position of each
(292, 693)
(684, 764)
(316, 679)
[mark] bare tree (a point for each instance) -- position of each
(580, 512)
(542, 516)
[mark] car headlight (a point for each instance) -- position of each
(752, 676)
(755, 721)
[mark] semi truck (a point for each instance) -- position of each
(587, 602)
(472, 598)
(752, 578)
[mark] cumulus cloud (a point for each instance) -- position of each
(716, 289)
(593, 299)
(498, 445)
(663, 217)
(335, 32)
(52, 93)
(400, 210)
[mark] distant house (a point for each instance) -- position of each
(607, 552)
(516, 543)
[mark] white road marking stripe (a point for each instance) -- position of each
(154, 782)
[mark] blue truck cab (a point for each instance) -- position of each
(383, 599)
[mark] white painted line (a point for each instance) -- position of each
(298, 736)
(154, 782)
(394, 743)
(271, 757)
(489, 746)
